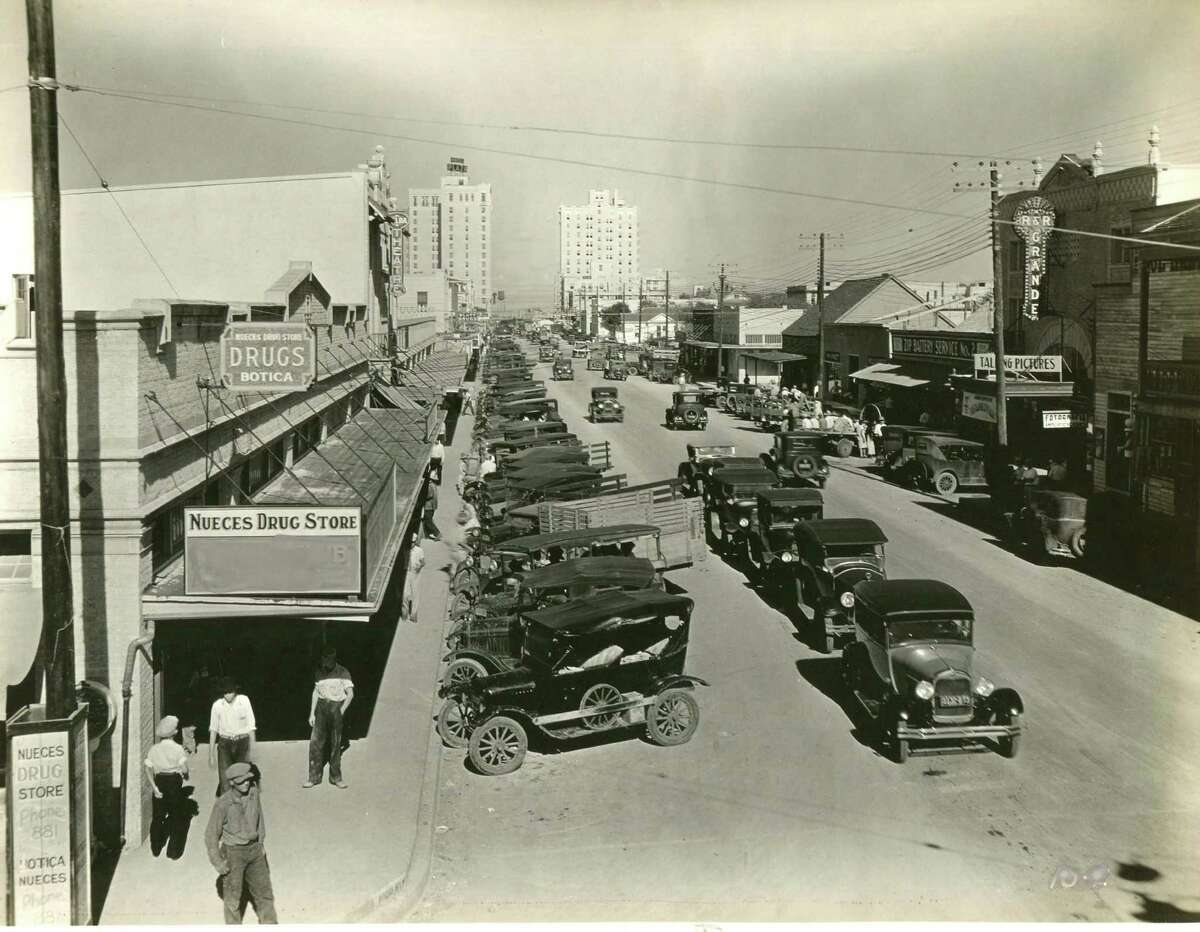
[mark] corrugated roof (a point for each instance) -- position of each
(838, 302)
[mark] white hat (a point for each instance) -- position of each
(167, 727)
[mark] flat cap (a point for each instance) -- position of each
(238, 773)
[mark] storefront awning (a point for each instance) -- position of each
(775, 356)
(888, 373)
(1017, 388)
(389, 396)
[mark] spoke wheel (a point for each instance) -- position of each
(946, 483)
(601, 694)
(461, 671)
(498, 746)
(673, 717)
(452, 725)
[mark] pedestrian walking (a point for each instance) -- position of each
(468, 404)
(167, 767)
(436, 456)
(464, 470)
(231, 730)
(416, 562)
(236, 838)
(428, 510)
(333, 691)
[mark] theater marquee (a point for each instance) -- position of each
(272, 550)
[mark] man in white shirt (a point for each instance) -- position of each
(333, 691)
(488, 466)
(416, 561)
(167, 767)
(436, 455)
(231, 730)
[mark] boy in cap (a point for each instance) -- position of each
(333, 690)
(234, 838)
(231, 730)
(167, 767)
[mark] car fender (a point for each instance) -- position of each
(488, 659)
(1007, 699)
(683, 680)
(522, 716)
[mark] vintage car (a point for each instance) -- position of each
(514, 374)
(596, 358)
(507, 445)
(911, 668)
(579, 349)
(730, 393)
(487, 638)
(563, 370)
(542, 455)
(616, 369)
(835, 555)
(899, 447)
(730, 505)
(529, 409)
(662, 368)
(604, 405)
(769, 413)
(616, 352)
(1052, 523)
(709, 392)
(703, 459)
(547, 353)
(606, 662)
(687, 410)
(796, 457)
(773, 554)
(945, 463)
(536, 483)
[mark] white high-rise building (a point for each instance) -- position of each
(598, 249)
(450, 229)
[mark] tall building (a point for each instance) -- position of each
(598, 250)
(449, 227)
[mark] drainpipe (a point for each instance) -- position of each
(140, 644)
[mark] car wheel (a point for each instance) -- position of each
(1009, 746)
(691, 416)
(804, 466)
(462, 671)
(601, 694)
(673, 717)
(498, 746)
(1078, 542)
(452, 725)
(845, 447)
(946, 483)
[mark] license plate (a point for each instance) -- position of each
(954, 700)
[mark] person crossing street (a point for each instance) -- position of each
(235, 839)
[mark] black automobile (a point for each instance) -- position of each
(911, 670)
(602, 663)
(695, 471)
(773, 554)
(686, 410)
(835, 555)
(604, 405)
(730, 506)
(563, 370)
(796, 458)
(616, 369)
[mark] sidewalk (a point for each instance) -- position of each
(336, 855)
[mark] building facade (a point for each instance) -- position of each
(450, 231)
(598, 250)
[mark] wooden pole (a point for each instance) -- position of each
(998, 313)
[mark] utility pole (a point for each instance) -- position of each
(718, 322)
(57, 651)
(641, 297)
(821, 320)
(998, 310)
(667, 318)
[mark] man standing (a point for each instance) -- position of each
(416, 561)
(428, 511)
(235, 837)
(167, 767)
(332, 693)
(468, 405)
(231, 730)
(488, 466)
(436, 455)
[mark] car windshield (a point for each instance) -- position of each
(842, 551)
(689, 399)
(930, 629)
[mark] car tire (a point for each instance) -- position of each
(691, 417)
(599, 695)
(498, 746)
(463, 670)
(845, 448)
(672, 718)
(945, 483)
(451, 725)
(1078, 542)
(804, 466)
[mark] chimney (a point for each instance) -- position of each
(1152, 158)
(1098, 160)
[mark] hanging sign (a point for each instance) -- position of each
(268, 358)
(979, 407)
(1056, 420)
(1023, 365)
(1034, 220)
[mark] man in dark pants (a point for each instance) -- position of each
(231, 730)
(333, 690)
(235, 837)
(431, 530)
(167, 766)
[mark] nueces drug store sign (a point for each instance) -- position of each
(274, 358)
(1034, 221)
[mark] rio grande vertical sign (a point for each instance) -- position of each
(1034, 220)
(274, 358)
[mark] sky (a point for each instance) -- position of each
(964, 80)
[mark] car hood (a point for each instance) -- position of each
(927, 661)
(782, 537)
(848, 574)
(504, 686)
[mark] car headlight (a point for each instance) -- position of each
(743, 522)
(984, 686)
(469, 561)
(924, 690)
(730, 501)
(786, 557)
(847, 600)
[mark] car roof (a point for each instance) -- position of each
(745, 475)
(595, 612)
(896, 598)
(592, 535)
(702, 447)
(792, 497)
(618, 571)
(604, 390)
(527, 403)
(558, 454)
(843, 531)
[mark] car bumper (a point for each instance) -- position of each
(966, 732)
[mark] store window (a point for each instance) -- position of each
(24, 305)
(16, 556)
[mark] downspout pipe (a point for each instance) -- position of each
(140, 644)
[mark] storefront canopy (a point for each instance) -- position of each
(1018, 388)
(774, 356)
(888, 373)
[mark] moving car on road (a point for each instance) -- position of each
(730, 505)
(616, 369)
(768, 413)
(911, 669)
(596, 357)
(702, 458)
(547, 353)
(579, 349)
(601, 663)
(687, 410)
(563, 369)
(796, 458)
(836, 554)
(604, 405)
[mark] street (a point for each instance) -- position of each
(777, 810)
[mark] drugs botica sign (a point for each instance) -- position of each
(274, 358)
(272, 550)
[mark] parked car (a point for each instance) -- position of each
(730, 505)
(1052, 522)
(796, 457)
(596, 358)
(488, 638)
(563, 369)
(730, 393)
(604, 405)
(601, 663)
(687, 410)
(694, 471)
(911, 669)
(768, 413)
(529, 409)
(774, 556)
(947, 463)
(836, 554)
(579, 349)
(616, 369)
